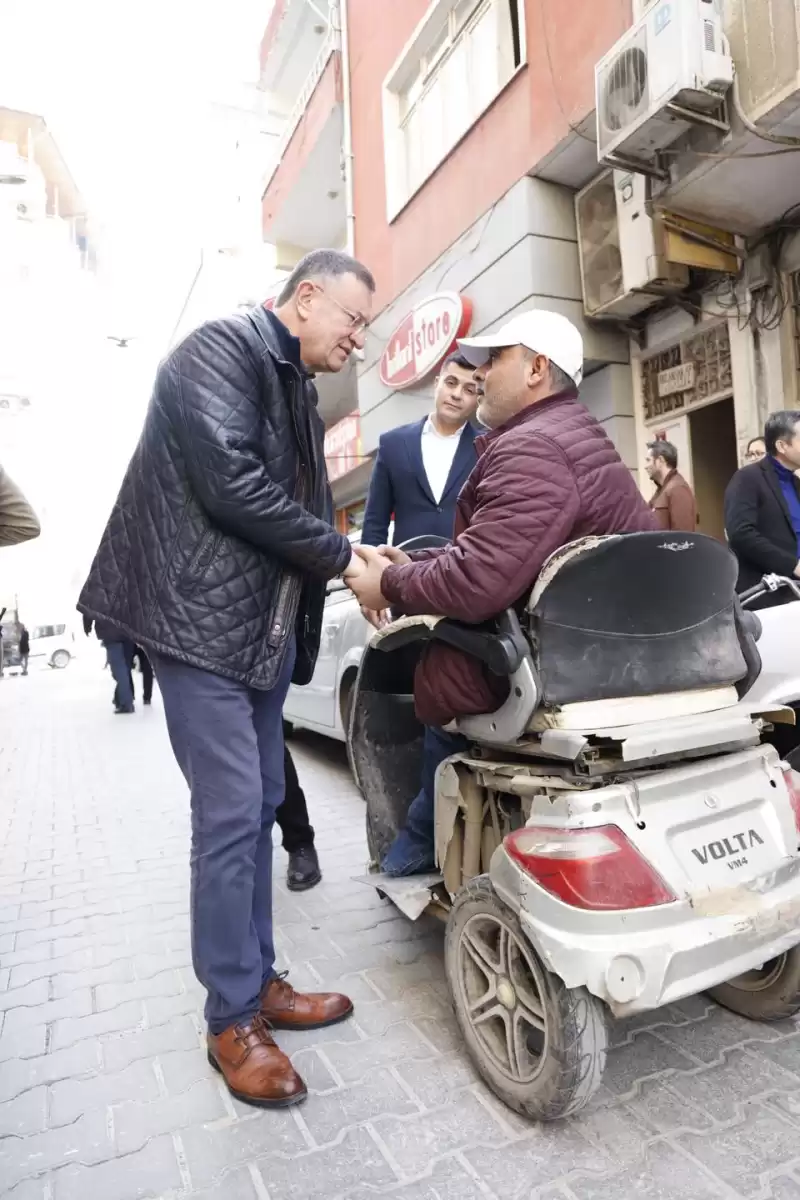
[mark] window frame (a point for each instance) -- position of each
(411, 65)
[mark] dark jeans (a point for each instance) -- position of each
(292, 816)
(120, 668)
(228, 741)
(412, 851)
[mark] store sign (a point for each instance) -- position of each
(423, 338)
(676, 379)
(343, 446)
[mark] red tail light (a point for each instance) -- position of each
(595, 868)
(792, 780)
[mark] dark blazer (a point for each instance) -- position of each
(759, 526)
(399, 487)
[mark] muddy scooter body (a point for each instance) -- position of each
(621, 833)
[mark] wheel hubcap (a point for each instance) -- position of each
(506, 994)
(501, 989)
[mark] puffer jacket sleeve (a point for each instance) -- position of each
(526, 505)
(18, 521)
(213, 385)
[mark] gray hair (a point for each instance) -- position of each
(780, 427)
(560, 380)
(324, 264)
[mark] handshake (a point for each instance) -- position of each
(363, 576)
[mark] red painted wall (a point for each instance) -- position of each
(275, 18)
(565, 38)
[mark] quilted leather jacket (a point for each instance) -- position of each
(219, 544)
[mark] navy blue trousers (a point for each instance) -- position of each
(228, 741)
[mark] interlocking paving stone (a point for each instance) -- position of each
(121, 1049)
(71, 1097)
(377, 1094)
(210, 1152)
(135, 1123)
(105, 1090)
(151, 1171)
(741, 1154)
(28, 1114)
(323, 1174)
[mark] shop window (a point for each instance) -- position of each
(696, 371)
(354, 518)
(459, 59)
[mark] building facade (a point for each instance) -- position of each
(448, 144)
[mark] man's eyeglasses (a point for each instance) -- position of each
(358, 323)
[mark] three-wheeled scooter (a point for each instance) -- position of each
(621, 833)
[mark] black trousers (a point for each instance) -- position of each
(292, 815)
(147, 675)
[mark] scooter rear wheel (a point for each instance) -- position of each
(540, 1046)
(770, 993)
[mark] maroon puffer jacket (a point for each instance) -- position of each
(548, 476)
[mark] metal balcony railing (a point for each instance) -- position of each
(328, 47)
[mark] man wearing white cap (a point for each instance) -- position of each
(547, 473)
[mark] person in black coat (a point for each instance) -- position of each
(118, 650)
(762, 510)
(215, 560)
(24, 648)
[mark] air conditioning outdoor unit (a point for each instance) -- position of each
(671, 62)
(623, 271)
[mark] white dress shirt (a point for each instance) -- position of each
(438, 452)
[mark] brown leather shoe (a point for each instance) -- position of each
(253, 1067)
(284, 1008)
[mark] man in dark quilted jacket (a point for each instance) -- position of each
(215, 559)
(547, 473)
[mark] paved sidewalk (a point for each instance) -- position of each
(104, 1087)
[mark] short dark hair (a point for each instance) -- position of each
(752, 443)
(457, 359)
(663, 449)
(324, 264)
(780, 427)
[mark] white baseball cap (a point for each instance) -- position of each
(543, 332)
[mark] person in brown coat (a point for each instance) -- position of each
(547, 473)
(673, 503)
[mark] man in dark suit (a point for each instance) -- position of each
(762, 509)
(420, 468)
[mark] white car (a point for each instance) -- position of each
(323, 705)
(55, 644)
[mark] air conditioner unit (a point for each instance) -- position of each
(673, 58)
(622, 270)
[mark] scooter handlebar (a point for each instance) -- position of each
(770, 583)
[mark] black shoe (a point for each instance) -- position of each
(122, 712)
(304, 872)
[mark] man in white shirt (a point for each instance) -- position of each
(420, 468)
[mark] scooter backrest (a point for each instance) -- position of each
(639, 614)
